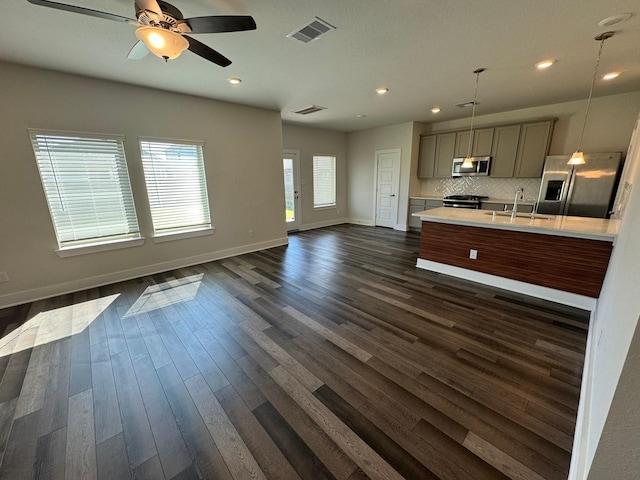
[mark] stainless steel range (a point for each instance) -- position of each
(463, 201)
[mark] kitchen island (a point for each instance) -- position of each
(558, 258)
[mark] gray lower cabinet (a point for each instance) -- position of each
(419, 205)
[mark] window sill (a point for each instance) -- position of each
(96, 248)
(328, 207)
(169, 237)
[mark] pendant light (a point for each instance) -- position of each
(468, 161)
(578, 157)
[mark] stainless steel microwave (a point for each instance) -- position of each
(480, 167)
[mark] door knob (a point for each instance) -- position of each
(392, 195)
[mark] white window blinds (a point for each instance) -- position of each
(87, 186)
(176, 186)
(324, 181)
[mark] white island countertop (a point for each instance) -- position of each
(565, 226)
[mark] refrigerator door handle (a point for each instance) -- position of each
(568, 192)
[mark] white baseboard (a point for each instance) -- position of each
(325, 223)
(32, 295)
(402, 227)
(579, 468)
(361, 221)
(545, 293)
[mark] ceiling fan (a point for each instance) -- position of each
(162, 28)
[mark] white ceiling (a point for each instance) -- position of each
(424, 51)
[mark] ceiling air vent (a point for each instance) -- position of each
(467, 104)
(308, 110)
(311, 30)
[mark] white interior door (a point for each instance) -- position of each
(387, 186)
(291, 167)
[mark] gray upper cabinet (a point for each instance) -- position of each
(517, 150)
(427, 158)
(445, 146)
(505, 150)
(436, 155)
(481, 145)
(533, 147)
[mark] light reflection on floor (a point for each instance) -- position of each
(54, 324)
(161, 295)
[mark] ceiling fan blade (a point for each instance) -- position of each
(221, 23)
(206, 52)
(84, 11)
(138, 51)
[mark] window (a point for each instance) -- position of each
(324, 181)
(176, 186)
(87, 186)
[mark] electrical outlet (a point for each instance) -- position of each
(4, 277)
(473, 254)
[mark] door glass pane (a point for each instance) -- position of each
(289, 190)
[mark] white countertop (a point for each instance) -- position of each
(565, 226)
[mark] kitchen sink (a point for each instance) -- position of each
(536, 216)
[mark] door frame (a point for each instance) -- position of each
(294, 155)
(375, 182)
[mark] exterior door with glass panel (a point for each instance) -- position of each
(291, 167)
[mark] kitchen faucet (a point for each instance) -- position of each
(514, 211)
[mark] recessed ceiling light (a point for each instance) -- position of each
(614, 20)
(360, 116)
(234, 81)
(611, 75)
(381, 90)
(435, 110)
(544, 64)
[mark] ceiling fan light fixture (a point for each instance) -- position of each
(162, 42)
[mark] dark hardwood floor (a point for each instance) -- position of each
(333, 357)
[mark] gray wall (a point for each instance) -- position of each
(361, 172)
(243, 155)
(314, 141)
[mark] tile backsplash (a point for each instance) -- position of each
(497, 188)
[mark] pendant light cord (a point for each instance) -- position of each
(593, 82)
(473, 111)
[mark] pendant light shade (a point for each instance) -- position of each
(578, 157)
(468, 161)
(162, 42)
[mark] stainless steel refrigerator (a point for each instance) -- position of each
(579, 190)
